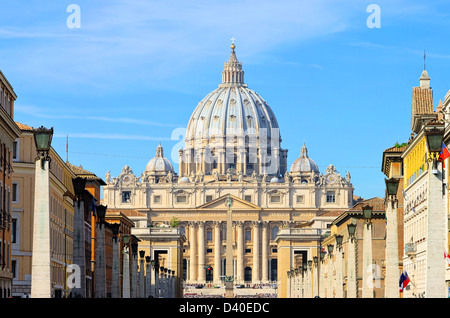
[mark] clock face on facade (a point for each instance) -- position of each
(331, 178)
(126, 178)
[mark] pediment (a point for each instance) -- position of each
(221, 203)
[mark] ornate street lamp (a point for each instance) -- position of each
(101, 213)
(315, 260)
(339, 239)
(322, 255)
(330, 248)
(142, 254)
(79, 185)
(43, 140)
(351, 227)
(310, 264)
(115, 229)
(367, 212)
(434, 133)
(392, 186)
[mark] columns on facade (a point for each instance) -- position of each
(240, 251)
(201, 252)
(217, 252)
(193, 251)
(256, 274)
(265, 252)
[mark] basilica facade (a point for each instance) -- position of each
(232, 151)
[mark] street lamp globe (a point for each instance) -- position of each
(392, 186)
(367, 212)
(43, 139)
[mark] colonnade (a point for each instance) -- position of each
(258, 243)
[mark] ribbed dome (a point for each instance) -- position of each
(231, 109)
(159, 164)
(304, 163)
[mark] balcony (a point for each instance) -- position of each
(410, 249)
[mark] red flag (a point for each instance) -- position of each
(445, 153)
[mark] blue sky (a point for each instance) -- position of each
(134, 71)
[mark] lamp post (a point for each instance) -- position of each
(148, 277)
(321, 275)
(315, 289)
(115, 288)
(141, 274)
(391, 289)
(351, 266)
(367, 280)
(100, 254)
(339, 267)
(133, 271)
(126, 290)
(156, 271)
(330, 248)
(309, 285)
(41, 286)
(437, 221)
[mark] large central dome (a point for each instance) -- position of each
(233, 130)
(231, 109)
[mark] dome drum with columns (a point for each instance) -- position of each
(232, 148)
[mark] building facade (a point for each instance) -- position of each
(9, 132)
(426, 202)
(232, 147)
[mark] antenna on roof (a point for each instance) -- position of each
(424, 58)
(67, 148)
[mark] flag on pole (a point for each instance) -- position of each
(445, 153)
(404, 280)
(447, 257)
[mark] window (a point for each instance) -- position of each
(275, 199)
(15, 192)
(209, 198)
(248, 250)
(157, 199)
(126, 196)
(274, 232)
(15, 150)
(248, 198)
(181, 199)
(14, 231)
(248, 234)
(209, 235)
(330, 197)
(300, 198)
